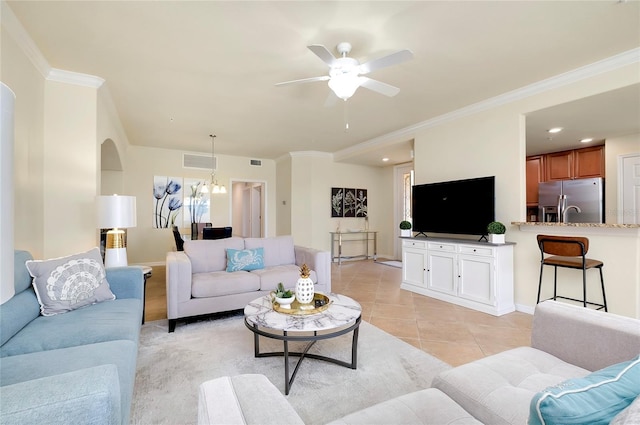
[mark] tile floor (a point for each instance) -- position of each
(454, 334)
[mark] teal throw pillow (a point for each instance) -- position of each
(594, 399)
(245, 259)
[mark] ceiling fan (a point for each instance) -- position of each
(346, 74)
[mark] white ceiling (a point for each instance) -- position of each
(181, 70)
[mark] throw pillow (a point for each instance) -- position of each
(245, 259)
(594, 399)
(67, 283)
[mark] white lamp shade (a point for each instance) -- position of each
(116, 211)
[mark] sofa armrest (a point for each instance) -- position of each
(244, 400)
(178, 279)
(126, 282)
(84, 396)
(319, 261)
(583, 337)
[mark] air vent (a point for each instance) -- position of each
(256, 162)
(202, 162)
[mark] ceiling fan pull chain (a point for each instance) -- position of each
(346, 117)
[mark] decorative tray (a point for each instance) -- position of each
(305, 309)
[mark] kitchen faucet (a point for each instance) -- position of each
(566, 210)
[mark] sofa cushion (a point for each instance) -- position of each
(67, 283)
(287, 274)
(216, 284)
(428, 406)
(210, 255)
(245, 259)
(594, 399)
(497, 389)
(278, 250)
(107, 321)
(123, 354)
(629, 416)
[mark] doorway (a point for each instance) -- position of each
(629, 189)
(402, 189)
(248, 208)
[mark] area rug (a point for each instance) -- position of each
(171, 366)
(397, 264)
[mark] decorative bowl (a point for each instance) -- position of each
(284, 302)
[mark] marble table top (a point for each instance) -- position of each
(342, 311)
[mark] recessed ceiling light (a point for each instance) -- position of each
(586, 140)
(385, 159)
(555, 130)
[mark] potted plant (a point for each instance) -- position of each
(283, 297)
(496, 231)
(405, 229)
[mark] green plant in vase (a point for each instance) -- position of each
(496, 231)
(405, 228)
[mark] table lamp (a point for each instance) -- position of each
(116, 213)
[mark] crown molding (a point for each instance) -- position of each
(22, 38)
(76, 78)
(314, 154)
(612, 63)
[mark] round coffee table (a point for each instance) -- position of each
(342, 316)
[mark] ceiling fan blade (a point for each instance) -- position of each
(379, 87)
(304, 80)
(322, 52)
(392, 59)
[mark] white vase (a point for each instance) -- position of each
(304, 290)
(493, 238)
(405, 233)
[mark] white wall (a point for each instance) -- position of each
(283, 195)
(7, 102)
(313, 176)
(615, 147)
(70, 168)
(150, 246)
(492, 142)
(26, 81)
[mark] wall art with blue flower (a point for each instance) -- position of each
(167, 201)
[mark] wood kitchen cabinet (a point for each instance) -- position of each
(589, 162)
(535, 175)
(575, 164)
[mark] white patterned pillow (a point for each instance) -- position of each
(245, 259)
(67, 283)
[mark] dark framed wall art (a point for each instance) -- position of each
(348, 202)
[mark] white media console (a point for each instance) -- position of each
(477, 275)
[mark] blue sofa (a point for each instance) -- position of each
(72, 368)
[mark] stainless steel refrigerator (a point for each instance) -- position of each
(581, 199)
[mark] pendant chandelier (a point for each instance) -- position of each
(213, 182)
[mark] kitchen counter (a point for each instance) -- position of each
(579, 228)
(599, 225)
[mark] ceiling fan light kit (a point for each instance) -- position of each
(345, 73)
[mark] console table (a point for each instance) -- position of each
(365, 236)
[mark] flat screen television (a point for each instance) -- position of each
(456, 207)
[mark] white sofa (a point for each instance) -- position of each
(198, 283)
(566, 342)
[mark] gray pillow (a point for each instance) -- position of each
(630, 415)
(67, 283)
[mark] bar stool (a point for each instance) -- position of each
(569, 252)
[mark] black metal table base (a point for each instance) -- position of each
(311, 339)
